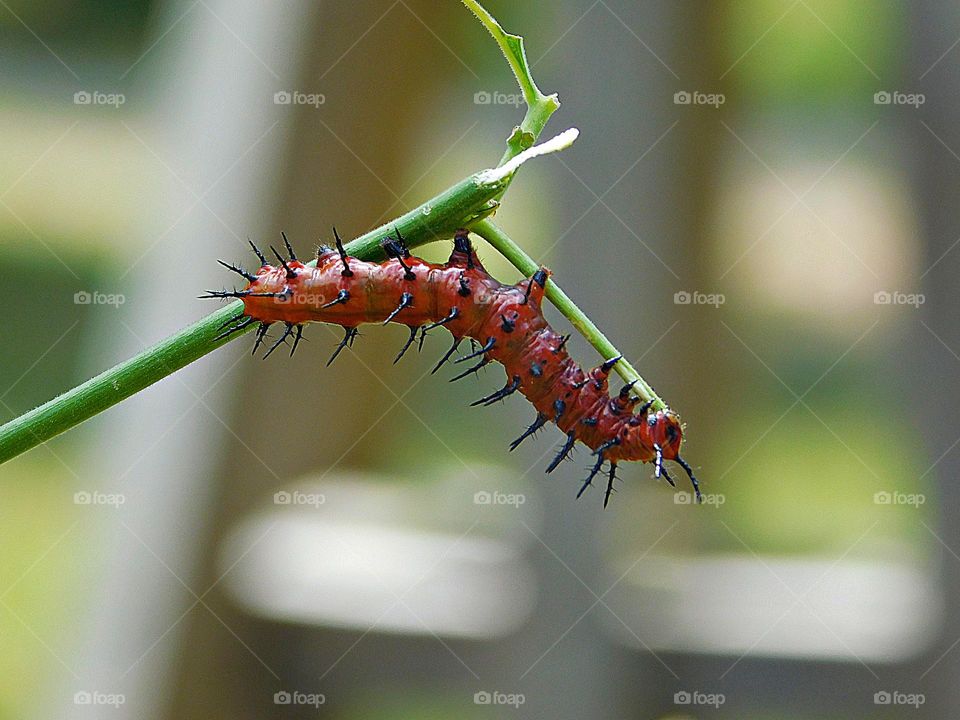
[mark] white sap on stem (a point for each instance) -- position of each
(555, 144)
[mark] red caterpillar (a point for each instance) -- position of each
(506, 321)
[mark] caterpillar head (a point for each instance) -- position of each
(666, 432)
(661, 434)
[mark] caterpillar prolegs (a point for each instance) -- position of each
(504, 323)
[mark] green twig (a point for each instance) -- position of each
(539, 106)
(584, 325)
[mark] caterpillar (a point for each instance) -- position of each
(504, 323)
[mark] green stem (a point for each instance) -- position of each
(584, 325)
(539, 106)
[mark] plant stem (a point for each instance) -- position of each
(584, 325)
(539, 106)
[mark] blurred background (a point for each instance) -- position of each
(760, 212)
